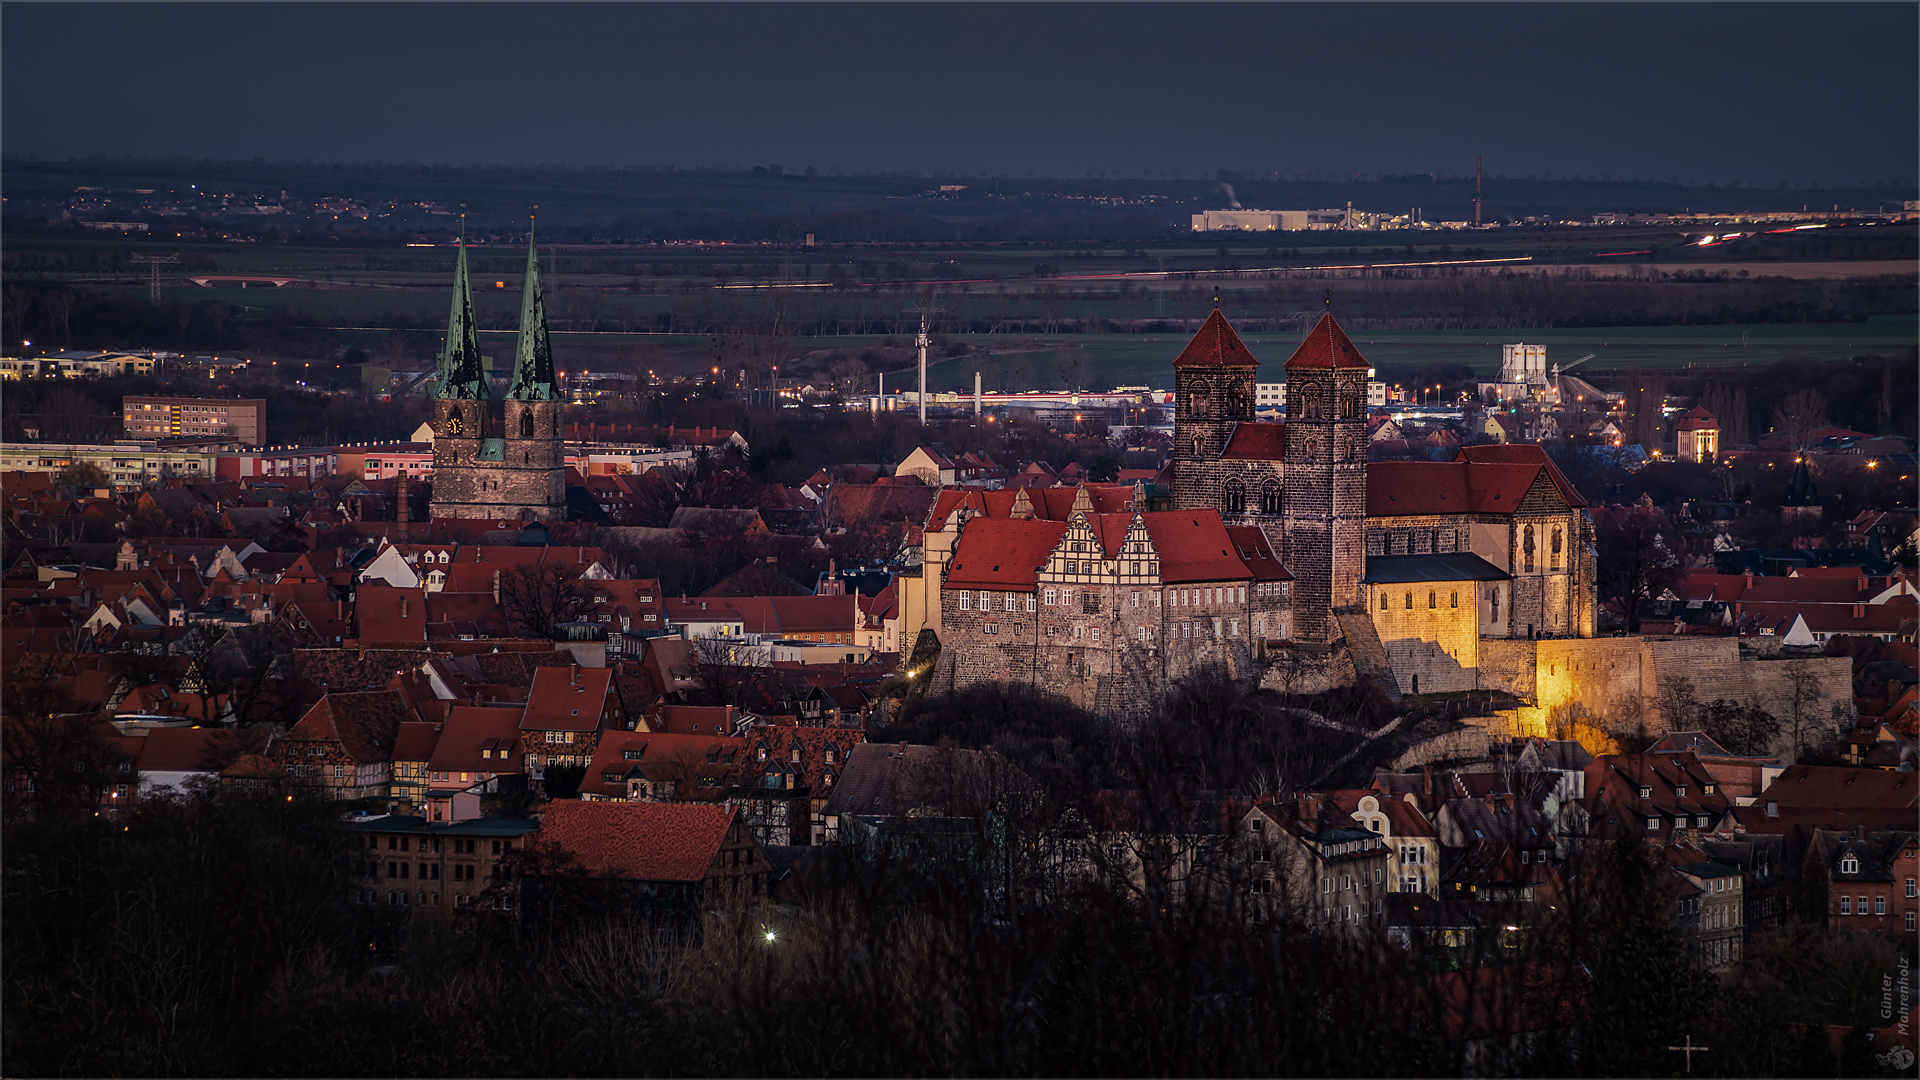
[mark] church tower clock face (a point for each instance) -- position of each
(453, 423)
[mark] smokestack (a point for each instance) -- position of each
(1476, 189)
(976, 395)
(400, 498)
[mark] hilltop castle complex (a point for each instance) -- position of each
(1284, 551)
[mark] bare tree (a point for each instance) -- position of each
(1799, 415)
(848, 377)
(537, 599)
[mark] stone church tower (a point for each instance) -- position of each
(514, 468)
(1325, 516)
(534, 465)
(462, 410)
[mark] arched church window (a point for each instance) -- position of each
(1383, 601)
(1348, 406)
(1456, 599)
(1409, 599)
(1234, 499)
(1433, 601)
(1526, 547)
(1270, 498)
(526, 423)
(1555, 550)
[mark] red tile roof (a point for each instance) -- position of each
(638, 841)
(365, 723)
(1256, 551)
(567, 699)
(1004, 553)
(1451, 487)
(1193, 545)
(472, 729)
(416, 741)
(1326, 346)
(1256, 442)
(1522, 454)
(1216, 345)
(1697, 419)
(184, 750)
(1833, 786)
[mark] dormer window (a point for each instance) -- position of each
(1849, 864)
(1680, 791)
(1646, 793)
(1707, 789)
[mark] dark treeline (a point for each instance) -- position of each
(213, 933)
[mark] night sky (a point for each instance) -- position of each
(1757, 92)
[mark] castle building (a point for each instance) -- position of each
(505, 461)
(1282, 536)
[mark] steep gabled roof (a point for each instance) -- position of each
(1326, 346)
(567, 698)
(1215, 345)
(471, 730)
(366, 724)
(1193, 545)
(1256, 551)
(638, 841)
(1003, 553)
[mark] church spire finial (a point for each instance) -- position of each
(459, 371)
(1216, 298)
(533, 378)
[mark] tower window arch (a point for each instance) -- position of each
(1554, 550)
(1383, 601)
(1526, 547)
(1234, 499)
(526, 423)
(1270, 498)
(1433, 601)
(1455, 599)
(1409, 599)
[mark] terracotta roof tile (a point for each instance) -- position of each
(639, 841)
(365, 723)
(1215, 345)
(1193, 545)
(1003, 553)
(567, 698)
(1256, 551)
(1326, 346)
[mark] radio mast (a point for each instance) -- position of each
(1476, 189)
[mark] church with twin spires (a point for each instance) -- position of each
(498, 459)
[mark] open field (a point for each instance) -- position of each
(1027, 360)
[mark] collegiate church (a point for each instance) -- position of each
(1286, 554)
(498, 459)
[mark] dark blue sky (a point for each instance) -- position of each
(1762, 92)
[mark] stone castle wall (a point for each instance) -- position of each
(1631, 684)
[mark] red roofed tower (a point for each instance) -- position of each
(1325, 515)
(1213, 390)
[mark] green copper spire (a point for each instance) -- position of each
(459, 372)
(533, 361)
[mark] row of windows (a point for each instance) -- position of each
(1433, 599)
(1847, 908)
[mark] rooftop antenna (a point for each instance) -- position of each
(1476, 189)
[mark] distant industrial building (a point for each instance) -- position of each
(162, 416)
(1268, 220)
